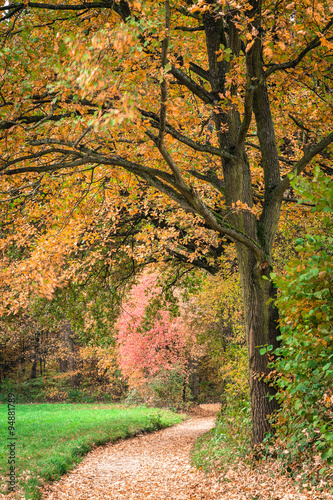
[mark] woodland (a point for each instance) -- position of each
(166, 212)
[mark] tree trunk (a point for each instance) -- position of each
(261, 321)
(68, 362)
(194, 380)
(33, 373)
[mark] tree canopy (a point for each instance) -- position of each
(160, 130)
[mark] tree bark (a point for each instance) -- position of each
(261, 322)
(261, 316)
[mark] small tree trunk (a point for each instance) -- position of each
(69, 362)
(33, 373)
(194, 380)
(35, 358)
(184, 389)
(63, 365)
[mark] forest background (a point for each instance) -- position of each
(161, 163)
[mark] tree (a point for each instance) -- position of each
(152, 340)
(126, 96)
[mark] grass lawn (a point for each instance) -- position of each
(51, 438)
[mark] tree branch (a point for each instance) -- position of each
(281, 158)
(187, 28)
(301, 164)
(164, 86)
(199, 91)
(211, 178)
(248, 108)
(197, 146)
(315, 42)
(200, 71)
(48, 6)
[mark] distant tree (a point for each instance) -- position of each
(150, 339)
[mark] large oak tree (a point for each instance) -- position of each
(190, 113)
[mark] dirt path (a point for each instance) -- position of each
(153, 466)
(157, 467)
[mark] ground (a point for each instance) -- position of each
(157, 466)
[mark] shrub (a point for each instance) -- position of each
(305, 359)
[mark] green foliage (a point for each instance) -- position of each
(220, 326)
(305, 359)
(229, 441)
(54, 388)
(155, 421)
(78, 428)
(165, 389)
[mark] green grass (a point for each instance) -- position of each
(228, 442)
(51, 438)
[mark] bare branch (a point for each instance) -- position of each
(199, 91)
(32, 157)
(198, 70)
(49, 6)
(27, 120)
(211, 178)
(298, 123)
(187, 28)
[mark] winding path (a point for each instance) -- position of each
(157, 467)
(152, 466)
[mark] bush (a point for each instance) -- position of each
(304, 361)
(53, 389)
(230, 440)
(165, 389)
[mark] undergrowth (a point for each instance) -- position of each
(230, 444)
(229, 441)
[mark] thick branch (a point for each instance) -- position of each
(199, 91)
(121, 8)
(198, 70)
(197, 146)
(187, 28)
(170, 162)
(211, 178)
(245, 125)
(49, 6)
(164, 86)
(27, 120)
(301, 164)
(34, 156)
